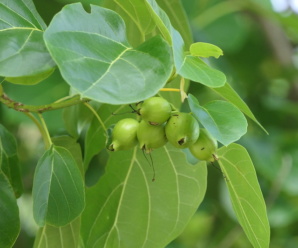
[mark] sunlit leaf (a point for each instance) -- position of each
(222, 119)
(206, 50)
(95, 58)
(245, 193)
(126, 209)
(58, 189)
(9, 162)
(9, 221)
(23, 52)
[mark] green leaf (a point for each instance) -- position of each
(231, 95)
(95, 58)
(245, 193)
(73, 147)
(9, 221)
(9, 162)
(30, 80)
(196, 70)
(222, 119)
(189, 67)
(21, 40)
(206, 50)
(129, 210)
(58, 188)
(59, 237)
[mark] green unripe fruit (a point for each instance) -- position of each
(155, 110)
(124, 135)
(151, 137)
(182, 130)
(205, 147)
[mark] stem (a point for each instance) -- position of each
(73, 100)
(45, 133)
(97, 116)
(170, 89)
(37, 123)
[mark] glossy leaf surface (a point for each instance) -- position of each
(9, 221)
(129, 210)
(95, 58)
(245, 193)
(222, 119)
(21, 40)
(58, 189)
(9, 162)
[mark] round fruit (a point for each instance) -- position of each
(205, 147)
(182, 130)
(151, 137)
(124, 135)
(155, 110)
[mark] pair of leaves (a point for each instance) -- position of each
(187, 66)
(24, 58)
(245, 193)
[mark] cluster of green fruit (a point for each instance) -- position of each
(159, 125)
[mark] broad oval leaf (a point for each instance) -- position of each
(59, 237)
(9, 221)
(58, 188)
(9, 162)
(228, 93)
(206, 50)
(222, 119)
(95, 58)
(23, 52)
(129, 210)
(245, 193)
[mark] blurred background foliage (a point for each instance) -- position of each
(259, 40)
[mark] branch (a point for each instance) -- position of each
(41, 108)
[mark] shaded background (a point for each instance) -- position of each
(259, 39)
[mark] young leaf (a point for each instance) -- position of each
(222, 119)
(9, 221)
(9, 162)
(129, 210)
(188, 67)
(59, 237)
(95, 58)
(58, 188)
(245, 192)
(22, 26)
(206, 50)
(231, 95)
